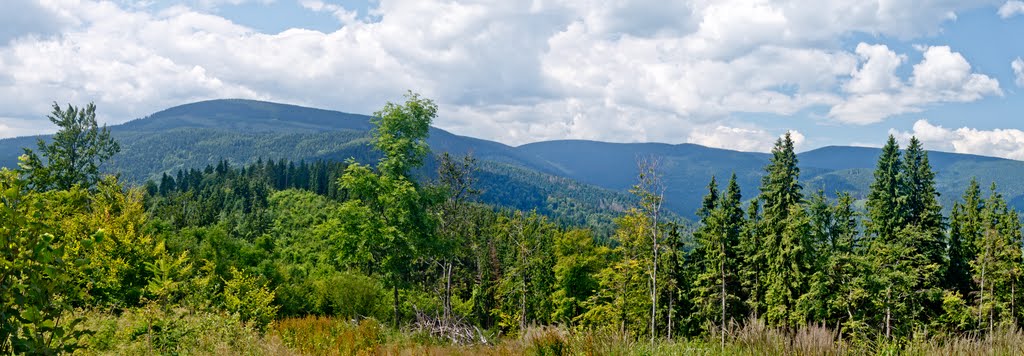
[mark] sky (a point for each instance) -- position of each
(720, 73)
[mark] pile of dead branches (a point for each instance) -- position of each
(455, 330)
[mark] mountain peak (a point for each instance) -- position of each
(245, 115)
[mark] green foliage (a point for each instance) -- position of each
(224, 252)
(997, 265)
(38, 283)
(527, 281)
(783, 228)
(621, 302)
(578, 260)
(250, 298)
(169, 275)
(385, 222)
(964, 231)
(401, 133)
(716, 289)
(74, 157)
(151, 329)
(886, 213)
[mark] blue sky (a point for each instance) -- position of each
(729, 73)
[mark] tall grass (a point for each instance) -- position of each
(149, 330)
(152, 330)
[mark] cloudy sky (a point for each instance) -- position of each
(722, 73)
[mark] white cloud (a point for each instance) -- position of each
(739, 138)
(878, 74)
(942, 76)
(628, 70)
(1011, 8)
(22, 18)
(344, 16)
(1018, 71)
(1005, 143)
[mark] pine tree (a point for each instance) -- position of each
(834, 283)
(964, 231)
(717, 289)
(904, 229)
(783, 233)
(997, 265)
(752, 261)
(922, 209)
(707, 205)
(885, 211)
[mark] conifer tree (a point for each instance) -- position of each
(833, 286)
(752, 261)
(783, 233)
(922, 202)
(904, 228)
(922, 209)
(997, 264)
(964, 231)
(717, 288)
(885, 211)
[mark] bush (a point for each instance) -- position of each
(246, 296)
(151, 329)
(346, 295)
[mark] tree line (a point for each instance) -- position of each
(353, 240)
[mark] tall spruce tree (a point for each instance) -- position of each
(964, 232)
(717, 288)
(752, 261)
(783, 233)
(922, 209)
(906, 251)
(885, 210)
(834, 283)
(922, 201)
(997, 264)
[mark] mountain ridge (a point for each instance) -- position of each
(240, 130)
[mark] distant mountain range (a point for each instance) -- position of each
(594, 174)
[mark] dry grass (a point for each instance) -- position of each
(133, 333)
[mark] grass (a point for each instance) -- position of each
(152, 330)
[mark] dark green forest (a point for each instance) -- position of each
(403, 250)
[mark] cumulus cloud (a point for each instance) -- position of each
(941, 76)
(878, 73)
(1011, 8)
(631, 70)
(1005, 143)
(739, 138)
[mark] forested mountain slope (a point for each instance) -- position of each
(243, 131)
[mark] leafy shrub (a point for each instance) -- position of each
(157, 329)
(250, 299)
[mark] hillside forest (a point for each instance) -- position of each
(342, 257)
